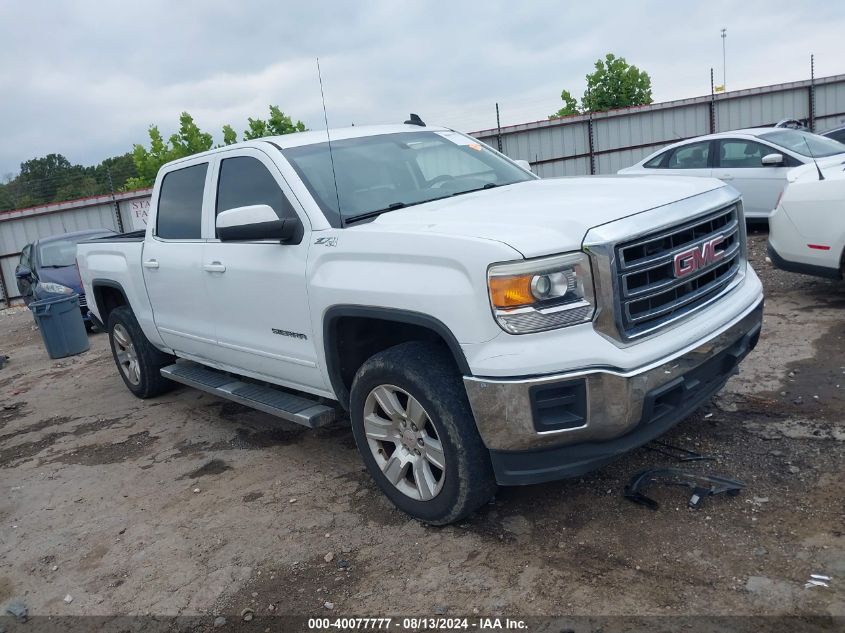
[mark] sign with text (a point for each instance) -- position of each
(136, 212)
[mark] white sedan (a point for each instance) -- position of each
(807, 229)
(754, 161)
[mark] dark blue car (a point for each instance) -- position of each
(47, 268)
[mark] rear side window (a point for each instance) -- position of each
(180, 204)
(245, 181)
(693, 156)
(656, 162)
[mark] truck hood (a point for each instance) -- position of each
(540, 217)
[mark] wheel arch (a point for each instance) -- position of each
(354, 333)
(108, 295)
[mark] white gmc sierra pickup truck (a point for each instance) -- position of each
(479, 325)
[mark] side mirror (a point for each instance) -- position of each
(23, 272)
(256, 222)
(524, 164)
(773, 160)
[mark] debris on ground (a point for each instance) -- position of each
(247, 614)
(329, 605)
(676, 452)
(702, 485)
(68, 599)
(817, 580)
(328, 557)
(219, 621)
(4, 360)
(18, 609)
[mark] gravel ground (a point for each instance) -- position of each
(190, 505)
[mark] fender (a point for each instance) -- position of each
(426, 321)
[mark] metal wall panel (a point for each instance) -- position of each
(623, 137)
(762, 109)
(18, 228)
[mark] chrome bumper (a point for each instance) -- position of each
(615, 400)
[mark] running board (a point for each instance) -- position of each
(272, 400)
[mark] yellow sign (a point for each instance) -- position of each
(719, 89)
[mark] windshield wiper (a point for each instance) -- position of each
(489, 185)
(391, 207)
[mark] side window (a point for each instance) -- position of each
(692, 156)
(838, 135)
(26, 258)
(657, 161)
(738, 153)
(245, 181)
(180, 204)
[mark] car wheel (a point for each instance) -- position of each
(138, 361)
(416, 434)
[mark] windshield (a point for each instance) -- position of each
(389, 171)
(61, 253)
(797, 141)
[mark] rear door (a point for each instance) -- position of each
(257, 289)
(692, 159)
(172, 261)
(739, 164)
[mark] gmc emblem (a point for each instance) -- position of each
(695, 258)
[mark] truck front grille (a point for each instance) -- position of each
(652, 292)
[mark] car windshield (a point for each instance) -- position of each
(805, 143)
(390, 171)
(61, 253)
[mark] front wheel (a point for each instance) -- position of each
(136, 358)
(414, 429)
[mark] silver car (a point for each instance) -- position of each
(754, 161)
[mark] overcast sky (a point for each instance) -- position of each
(86, 79)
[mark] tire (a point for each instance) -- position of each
(138, 362)
(405, 461)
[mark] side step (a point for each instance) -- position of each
(272, 400)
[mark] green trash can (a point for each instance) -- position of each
(62, 329)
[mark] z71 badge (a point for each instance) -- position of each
(326, 241)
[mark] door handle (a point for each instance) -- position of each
(725, 177)
(151, 263)
(214, 267)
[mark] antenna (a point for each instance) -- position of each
(329, 137)
(818, 169)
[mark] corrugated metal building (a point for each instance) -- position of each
(605, 142)
(23, 226)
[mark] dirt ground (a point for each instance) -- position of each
(187, 504)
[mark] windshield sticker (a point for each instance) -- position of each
(460, 139)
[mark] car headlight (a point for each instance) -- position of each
(54, 288)
(542, 294)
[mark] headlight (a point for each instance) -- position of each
(54, 288)
(542, 294)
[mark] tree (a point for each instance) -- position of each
(229, 135)
(187, 141)
(614, 84)
(279, 123)
(570, 106)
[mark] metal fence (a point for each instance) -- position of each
(118, 212)
(605, 142)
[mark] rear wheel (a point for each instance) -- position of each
(414, 429)
(138, 361)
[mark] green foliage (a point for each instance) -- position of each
(279, 123)
(229, 135)
(570, 106)
(187, 141)
(53, 178)
(614, 84)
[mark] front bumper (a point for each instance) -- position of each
(595, 415)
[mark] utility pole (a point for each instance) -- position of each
(724, 62)
(118, 219)
(498, 130)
